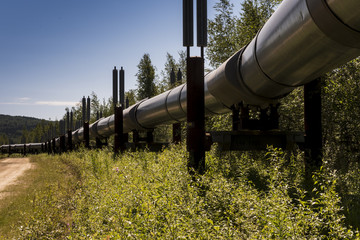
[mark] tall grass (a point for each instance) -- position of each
(39, 206)
(143, 195)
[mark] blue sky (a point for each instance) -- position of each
(53, 52)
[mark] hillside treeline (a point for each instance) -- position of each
(14, 129)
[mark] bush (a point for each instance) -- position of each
(146, 195)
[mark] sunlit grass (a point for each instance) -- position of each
(48, 182)
(144, 195)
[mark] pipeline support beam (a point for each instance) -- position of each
(313, 126)
(195, 114)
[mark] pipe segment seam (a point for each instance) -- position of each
(331, 25)
(166, 107)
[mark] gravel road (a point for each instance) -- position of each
(11, 169)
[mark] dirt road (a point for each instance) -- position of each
(11, 169)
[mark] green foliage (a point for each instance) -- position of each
(145, 195)
(131, 96)
(221, 32)
(39, 208)
(341, 118)
(15, 128)
(172, 64)
(146, 78)
(4, 139)
(229, 33)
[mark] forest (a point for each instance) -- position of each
(13, 129)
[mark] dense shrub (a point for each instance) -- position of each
(145, 195)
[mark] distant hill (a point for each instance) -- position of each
(11, 127)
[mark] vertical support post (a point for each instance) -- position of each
(115, 87)
(70, 145)
(119, 126)
(67, 121)
(136, 137)
(86, 135)
(235, 118)
(84, 109)
(264, 119)
(88, 110)
(172, 78)
(274, 116)
(188, 23)
(176, 131)
(195, 114)
(118, 138)
(86, 122)
(49, 147)
(122, 87)
(150, 137)
(53, 145)
(62, 144)
(24, 149)
(62, 134)
(124, 105)
(201, 17)
(69, 135)
(313, 127)
(71, 120)
(244, 117)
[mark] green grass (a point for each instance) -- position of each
(42, 197)
(144, 195)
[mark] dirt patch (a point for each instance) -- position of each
(10, 170)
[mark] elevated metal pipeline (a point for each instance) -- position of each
(302, 40)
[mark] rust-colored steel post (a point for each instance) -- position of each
(69, 142)
(119, 136)
(136, 137)
(115, 87)
(86, 135)
(53, 145)
(195, 115)
(62, 144)
(125, 137)
(313, 126)
(150, 137)
(176, 133)
(118, 110)
(86, 120)
(49, 147)
(235, 118)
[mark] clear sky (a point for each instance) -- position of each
(53, 52)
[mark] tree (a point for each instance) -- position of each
(229, 33)
(170, 65)
(131, 96)
(221, 32)
(4, 139)
(253, 16)
(146, 78)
